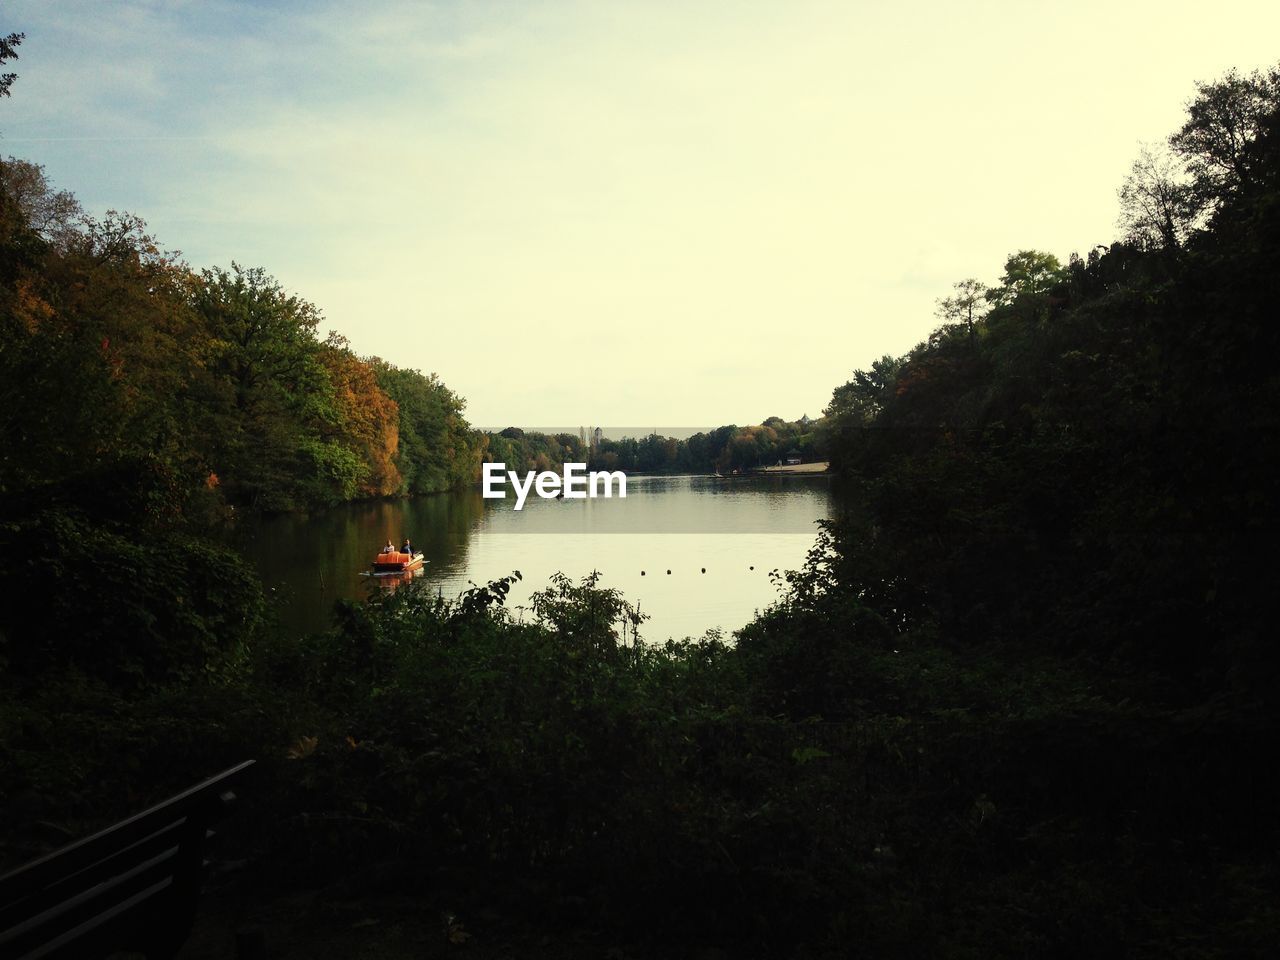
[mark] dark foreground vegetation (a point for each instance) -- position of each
(1024, 707)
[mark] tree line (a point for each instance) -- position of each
(1079, 452)
(722, 450)
(113, 348)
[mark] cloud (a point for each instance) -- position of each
(575, 210)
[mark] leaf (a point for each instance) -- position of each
(803, 755)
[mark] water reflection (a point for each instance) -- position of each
(719, 537)
(388, 583)
(660, 504)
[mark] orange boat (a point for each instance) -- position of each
(386, 563)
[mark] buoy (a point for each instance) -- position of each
(642, 573)
(668, 573)
(750, 568)
(704, 569)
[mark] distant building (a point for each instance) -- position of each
(596, 436)
(805, 421)
(793, 457)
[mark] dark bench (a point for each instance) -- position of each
(133, 886)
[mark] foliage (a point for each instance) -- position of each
(1157, 203)
(1020, 703)
(110, 344)
(914, 798)
(367, 421)
(112, 590)
(437, 448)
(51, 214)
(9, 51)
(724, 449)
(1225, 125)
(1051, 480)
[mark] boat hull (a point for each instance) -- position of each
(400, 564)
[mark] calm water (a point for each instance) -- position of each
(738, 529)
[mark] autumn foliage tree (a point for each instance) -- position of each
(365, 420)
(113, 345)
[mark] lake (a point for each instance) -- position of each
(736, 529)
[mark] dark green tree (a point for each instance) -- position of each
(9, 51)
(1224, 120)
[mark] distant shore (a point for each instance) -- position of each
(820, 467)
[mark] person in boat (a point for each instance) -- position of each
(389, 548)
(407, 548)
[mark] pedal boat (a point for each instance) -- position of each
(391, 563)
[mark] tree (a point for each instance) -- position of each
(437, 448)
(860, 401)
(1157, 203)
(9, 51)
(967, 306)
(265, 391)
(54, 215)
(1223, 121)
(855, 406)
(265, 337)
(367, 420)
(127, 300)
(1027, 273)
(103, 311)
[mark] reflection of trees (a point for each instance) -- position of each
(308, 562)
(441, 527)
(388, 584)
(312, 561)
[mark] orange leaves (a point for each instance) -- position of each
(369, 420)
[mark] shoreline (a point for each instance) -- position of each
(819, 467)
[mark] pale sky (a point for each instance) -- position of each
(608, 213)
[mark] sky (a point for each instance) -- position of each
(616, 213)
